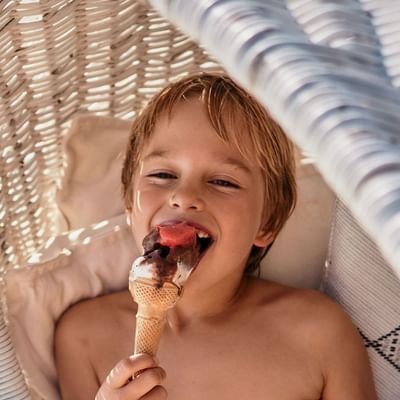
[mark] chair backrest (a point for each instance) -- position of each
(360, 279)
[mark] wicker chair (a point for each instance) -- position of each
(327, 70)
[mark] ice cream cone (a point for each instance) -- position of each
(153, 303)
(156, 279)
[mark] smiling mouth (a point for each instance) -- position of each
(204, 241)
(169, 240)
(175, 250)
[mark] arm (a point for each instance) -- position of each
(77, 332)
(76, 376)
(346, 367)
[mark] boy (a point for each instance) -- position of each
(204, 151)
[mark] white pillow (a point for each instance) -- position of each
(298, 255)
(90, 190)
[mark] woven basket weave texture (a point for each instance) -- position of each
(60, 58)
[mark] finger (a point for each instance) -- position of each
(145, 383)
(126, 368)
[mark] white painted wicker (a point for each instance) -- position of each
(329, 71)
(61, 58)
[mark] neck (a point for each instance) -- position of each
(198, 304)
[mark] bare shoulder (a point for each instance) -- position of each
(81, 332)
(313, 321)
(310, 314)
(82, 318)
(309, 305)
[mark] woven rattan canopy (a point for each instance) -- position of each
(60, 58)
(329, 71)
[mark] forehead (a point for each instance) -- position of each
(186, 129)
(191, 120)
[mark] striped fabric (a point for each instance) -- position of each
(359, 278)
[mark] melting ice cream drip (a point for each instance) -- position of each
(171, 254)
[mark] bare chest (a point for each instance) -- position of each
(239, 357)
(238, 365)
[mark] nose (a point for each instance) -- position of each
(186, 198)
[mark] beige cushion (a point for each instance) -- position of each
(79, 264)
(86, 262)
(90, 190)
(299, 252)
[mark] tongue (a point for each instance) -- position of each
(177, 235)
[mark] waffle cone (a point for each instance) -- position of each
(153, 303)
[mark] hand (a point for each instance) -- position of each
(136, 377)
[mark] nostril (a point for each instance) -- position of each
(185, 199)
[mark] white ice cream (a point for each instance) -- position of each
(149, 270)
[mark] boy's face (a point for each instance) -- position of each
(188, 173)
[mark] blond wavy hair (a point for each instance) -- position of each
(235, 115)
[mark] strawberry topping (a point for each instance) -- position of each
(180, 234)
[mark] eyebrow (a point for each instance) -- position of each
(156, 154)
(236, 163)
(229, 161)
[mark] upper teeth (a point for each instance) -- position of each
(202, 234)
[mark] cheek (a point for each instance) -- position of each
(248, 218)
(145, 203)
(137, 202)
(141, 215)
(251, 210)
(242, 222)
(259, 205)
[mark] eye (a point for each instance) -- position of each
(224, 183)
(162, 175)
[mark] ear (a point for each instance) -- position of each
(263, 239)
